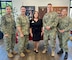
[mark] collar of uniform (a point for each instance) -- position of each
(64, 16)
(8, 15)
(50, 12)
(22, 15)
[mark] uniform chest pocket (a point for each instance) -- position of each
(66, 23)
(8, 20)
(52, 18)
(24, 22)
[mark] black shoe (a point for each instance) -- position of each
(36, 51)
(60, 52)
(66, 55)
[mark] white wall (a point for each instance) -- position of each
(36, 3)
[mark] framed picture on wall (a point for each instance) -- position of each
(59, 8)
(29, 11)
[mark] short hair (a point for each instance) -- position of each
(63, 9)
(8, 6)
(49, 4)
(22, 7)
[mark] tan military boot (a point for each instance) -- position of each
(10, 55)
(71, 38)
(53, 53)
(14, 52)
(44, 51)
(22, 54)
(27, 50)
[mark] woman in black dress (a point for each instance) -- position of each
(36, 30)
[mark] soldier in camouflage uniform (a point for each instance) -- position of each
(64, 26)
(50, 21)
(59, 36)
(8, 28)
(22, 24)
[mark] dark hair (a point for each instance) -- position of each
(34, 13)
(8, 6)
(22, 7)
(49, 4)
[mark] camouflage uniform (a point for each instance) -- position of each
(8, 27)
(50, 19)
(23, 22)
(65, 24)
(59, 35)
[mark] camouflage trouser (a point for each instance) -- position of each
(10, 42)
(60, 39)
(63, 42)
(52, 36)
(23, 41)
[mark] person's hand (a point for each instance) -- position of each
(6, 35)
(48, 27)
(61, 31)
(21, 35)
(31, 34)
(42, 33)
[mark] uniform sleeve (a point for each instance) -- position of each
(70, 25)
(58, 23)
(18, 21)
(14, 22)
(28, 21)
(3, 24)
(44, 22)
(55, 22)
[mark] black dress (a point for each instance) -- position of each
(36, 29)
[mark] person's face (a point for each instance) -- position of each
(8, 10)
(64, 12)
(49, 8)
(36, 15)
(58, 12)
(23, 10)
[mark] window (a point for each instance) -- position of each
(3, 4)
